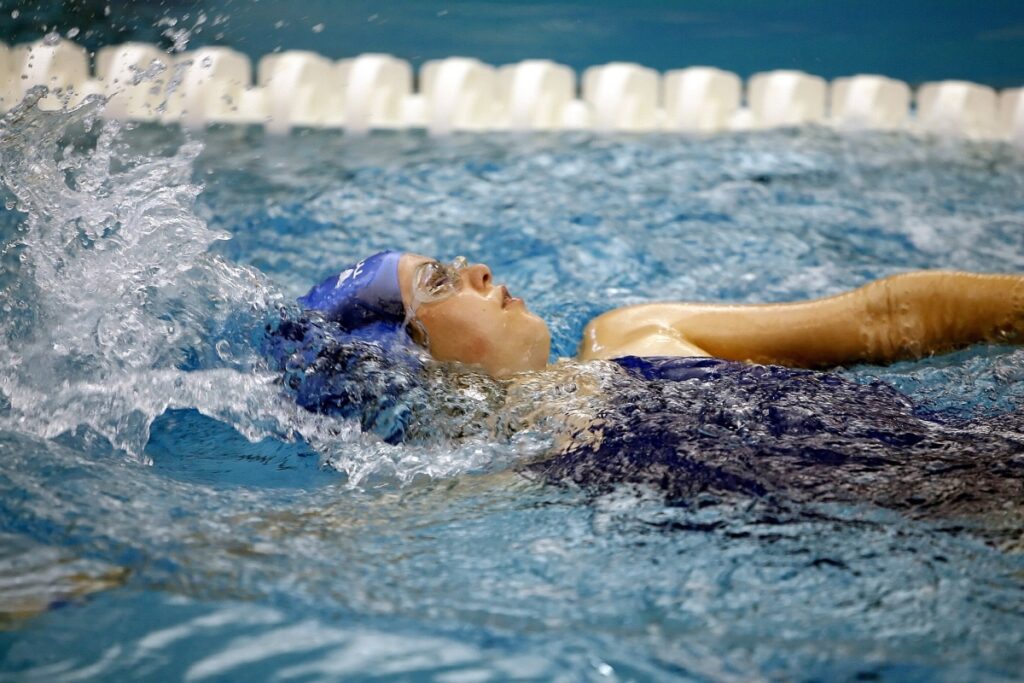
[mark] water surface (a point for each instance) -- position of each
(168, 513)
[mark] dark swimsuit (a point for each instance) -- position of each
(700, 426)
(693, 427)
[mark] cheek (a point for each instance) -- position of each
(473, 348)
(462, 335)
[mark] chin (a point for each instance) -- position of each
(537, 354)
(530, 357)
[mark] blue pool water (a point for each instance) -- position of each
(167, 513)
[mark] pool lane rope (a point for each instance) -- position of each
(298, 89)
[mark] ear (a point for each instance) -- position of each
(418, 333)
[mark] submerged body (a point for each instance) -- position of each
(703, 430)
(697, 430)
(697, 401)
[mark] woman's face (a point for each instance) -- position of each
(470, 319)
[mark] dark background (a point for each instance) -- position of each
(914, 40)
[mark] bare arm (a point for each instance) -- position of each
(903, 316)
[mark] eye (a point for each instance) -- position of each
(435, 279)
(437, 276)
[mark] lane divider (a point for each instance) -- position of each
(295, 88)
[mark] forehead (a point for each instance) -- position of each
(413, 260)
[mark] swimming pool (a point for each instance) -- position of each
(315, 552)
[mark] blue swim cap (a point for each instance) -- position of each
(362, 295)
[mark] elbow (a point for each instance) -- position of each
(894, 324)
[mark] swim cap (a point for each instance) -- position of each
(361, 295)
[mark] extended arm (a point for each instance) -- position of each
(903, 316)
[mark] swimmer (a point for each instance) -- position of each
(459, 313)
(691, 399)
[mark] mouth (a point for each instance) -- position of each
(507, 298)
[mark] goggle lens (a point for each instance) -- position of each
(435, 281)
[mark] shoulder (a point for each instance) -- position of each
(643, 330)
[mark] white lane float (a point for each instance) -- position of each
(535, 93)
(622, 97)
(869, 102)
(372, 90)
(210, 85)
(296, 88)
(700, 99)
(459, 93)
(134, 77)
(1011, 115)
(59, 64)
(957, 109)
(786, 98)
(9, 95)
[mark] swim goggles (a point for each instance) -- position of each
(435, 281)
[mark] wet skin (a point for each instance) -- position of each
(903, 316)
(479, 324)
(899, 317)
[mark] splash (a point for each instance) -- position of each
(113, 311)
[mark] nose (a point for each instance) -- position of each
(478, 276)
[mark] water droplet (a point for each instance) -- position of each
(279, 23)
(206, 62)
(106, 11)
(223, 349)
(15, 14)
(51, 38)
(72, 32)
(318, 28)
